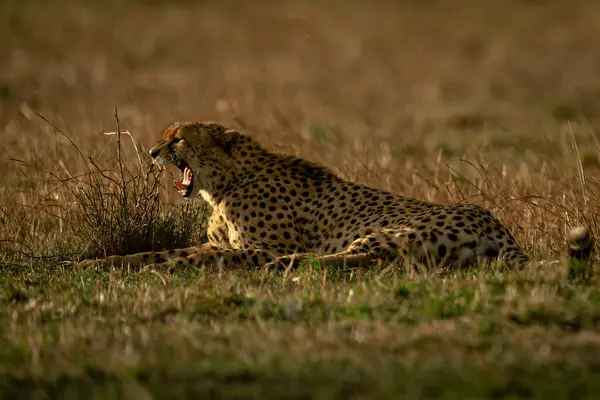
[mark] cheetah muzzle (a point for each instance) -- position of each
(184, 185)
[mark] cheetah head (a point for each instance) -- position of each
(202, 151)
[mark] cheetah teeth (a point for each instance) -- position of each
(186, 180)
(187, 176)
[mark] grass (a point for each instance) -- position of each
(502, 112)
(313, 334)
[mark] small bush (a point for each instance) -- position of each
(120, 212)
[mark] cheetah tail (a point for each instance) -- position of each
(580, 242)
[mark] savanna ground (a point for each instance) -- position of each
(495, 103)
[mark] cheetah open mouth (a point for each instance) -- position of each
(186, 184)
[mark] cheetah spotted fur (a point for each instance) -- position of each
(272, 210)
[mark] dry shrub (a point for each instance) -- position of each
(125, 215)
(118, 209)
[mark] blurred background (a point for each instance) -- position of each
(389, 93)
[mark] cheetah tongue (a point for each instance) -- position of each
(179, 185)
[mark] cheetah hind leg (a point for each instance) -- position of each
(435, 247)
(359, 254)
(426, 249)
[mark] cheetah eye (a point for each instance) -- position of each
(176, 140)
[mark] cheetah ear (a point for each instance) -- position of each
(227, 140)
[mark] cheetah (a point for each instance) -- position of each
(271, 210)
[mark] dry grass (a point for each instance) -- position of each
(495, 104)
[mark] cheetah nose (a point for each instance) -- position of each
(154, 153)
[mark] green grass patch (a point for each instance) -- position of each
(117, 334)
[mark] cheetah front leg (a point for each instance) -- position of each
(141, 259)
(227, 259)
